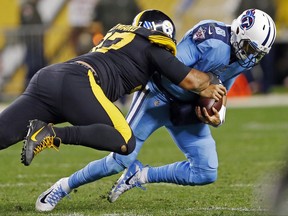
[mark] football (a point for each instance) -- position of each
(208, 103)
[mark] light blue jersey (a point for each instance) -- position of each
(205, 47)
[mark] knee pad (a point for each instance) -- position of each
(131, 145)
(204, 177)
(209, 176)
(126, 149)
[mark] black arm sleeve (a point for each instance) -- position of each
(168, 65)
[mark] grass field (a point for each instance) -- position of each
(251, 148)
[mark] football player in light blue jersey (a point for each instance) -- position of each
(211, 46)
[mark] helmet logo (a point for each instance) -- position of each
(248, 19)
(167, 28)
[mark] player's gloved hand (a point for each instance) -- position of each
(214, 91)
(213, 120)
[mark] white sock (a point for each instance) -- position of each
(65, 185)
(144, 175)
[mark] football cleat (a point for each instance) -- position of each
(40, 136)
(128, 180)
(50, 198)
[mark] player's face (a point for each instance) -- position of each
(250, 51)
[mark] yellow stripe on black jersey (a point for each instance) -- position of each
(164, 41)
(112, 111)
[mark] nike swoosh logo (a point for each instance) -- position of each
(42, 200)
(128, 180)
(33, 137)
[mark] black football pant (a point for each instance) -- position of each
(68, 93)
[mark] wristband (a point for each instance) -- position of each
(214, 79)
(222, 113)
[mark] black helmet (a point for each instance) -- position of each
(155, 20)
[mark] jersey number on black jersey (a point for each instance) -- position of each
(114, 40)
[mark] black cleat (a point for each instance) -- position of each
(40, 136)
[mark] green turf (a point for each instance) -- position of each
(251, 147)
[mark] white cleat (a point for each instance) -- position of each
(50, 198)
(128, 180)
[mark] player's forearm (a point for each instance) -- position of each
(204, 84)
(196, 81)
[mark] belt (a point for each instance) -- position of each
(89, 67)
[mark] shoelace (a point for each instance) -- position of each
(56, 195)
(47, 142)
(138, 185)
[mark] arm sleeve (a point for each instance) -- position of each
(228, 83)
(168, 65)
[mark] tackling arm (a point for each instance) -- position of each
(200, 83)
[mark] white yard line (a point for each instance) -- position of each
(215, 208)
(258, 101)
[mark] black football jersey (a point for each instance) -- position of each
(127, 57)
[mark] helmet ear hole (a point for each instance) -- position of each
(237, 30)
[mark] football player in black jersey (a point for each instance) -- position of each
(82, 90)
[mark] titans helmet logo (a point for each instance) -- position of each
(248, 19)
